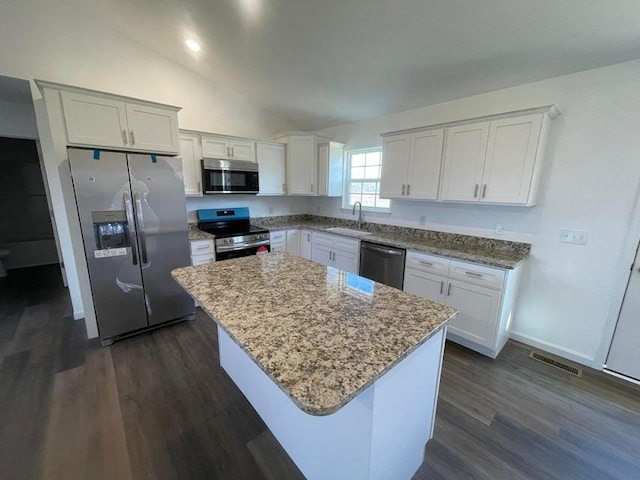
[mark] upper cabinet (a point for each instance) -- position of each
(497, 160)
(98, 120)
(271, 168)
(228, 148)
(191, 164)
(411, 165)
(330, 169)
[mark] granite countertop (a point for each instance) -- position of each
(322, 335)
(485, 251)
(196, 234)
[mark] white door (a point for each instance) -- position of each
(424, 165)
(215, 147)
(395, 160)
(323, 168)
(243, 150)
(465, 149)
(305, 244)
(293, 242)
(478, 310)
(321, 254)
(425, 285)
(153, 129)
(191, 170)
(95, 121)
(271, 165)
(511, 156)
(624, 355)
(301, 165)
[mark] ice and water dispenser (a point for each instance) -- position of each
(111, 232)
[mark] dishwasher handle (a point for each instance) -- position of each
(386, 251)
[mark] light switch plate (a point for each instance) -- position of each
(575, 237)
(499, 229)
(423, 219)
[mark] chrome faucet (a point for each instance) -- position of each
(353, 212)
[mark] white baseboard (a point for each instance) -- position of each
(620, 376)
(556, 350)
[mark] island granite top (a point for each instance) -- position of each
(321, 334)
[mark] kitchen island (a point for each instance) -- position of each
(344, 371)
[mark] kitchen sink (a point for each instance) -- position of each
(347, 231)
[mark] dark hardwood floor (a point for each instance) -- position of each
(158, 406)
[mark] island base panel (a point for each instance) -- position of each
(380, 434)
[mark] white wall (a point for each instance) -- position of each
(590, 181)
(52, 41)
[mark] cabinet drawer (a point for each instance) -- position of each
(276, 237)
(202, 259)
(345, 245)
(428, 263)
(278, 247)
(477, 274)
(322, 239)
(201, 247)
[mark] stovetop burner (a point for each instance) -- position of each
(233, 230)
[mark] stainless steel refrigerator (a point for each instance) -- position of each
(133, 218)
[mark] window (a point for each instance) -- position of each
(362, 180)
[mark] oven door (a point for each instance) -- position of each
(230, 176)
(243, 252)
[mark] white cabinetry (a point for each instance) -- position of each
(293, 242)
(103, 120)
(333, 250)
(330, 169)
(278, 241)
(202, 251)
(301, 164)
(231, 148)
(484, 297)
(271, 165)
(411, 165)
(191, 169)
(305, 244)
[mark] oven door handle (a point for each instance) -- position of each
(241, 246)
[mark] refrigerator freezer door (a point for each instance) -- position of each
(103, 197)
(161, 219)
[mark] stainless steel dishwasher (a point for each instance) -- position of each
(382, 264)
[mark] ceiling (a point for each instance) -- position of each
(318, 63)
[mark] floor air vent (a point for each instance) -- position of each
(554, 363)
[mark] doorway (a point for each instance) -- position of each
(624, 354)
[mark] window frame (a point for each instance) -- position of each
(347, 180)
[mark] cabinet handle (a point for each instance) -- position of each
(228, 151)
(308, 237)
(422, 262)
(329, 255)
(199, 187)
(133, 139)
(475, 192)
(484, 190)
(403, 189)
(441, 287)
(312, 188)
(473, 274)
(124, 137)
(203, 247)
(232, 151)
(408, 188)
(449, 291)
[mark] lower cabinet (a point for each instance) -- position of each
(293, 242)
(485, 299)
(202, 251)
(335, 251)
(278, 241)
(305, 244)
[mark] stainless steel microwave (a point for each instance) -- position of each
(229, 176)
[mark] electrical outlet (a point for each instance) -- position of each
(270, 210)
(576, 237)
(499, 229)
(423, 219)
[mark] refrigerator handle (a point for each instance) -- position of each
(132, 228)
(140, 224)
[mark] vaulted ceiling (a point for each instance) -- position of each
(318, 63)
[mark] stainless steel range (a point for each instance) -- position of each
(235, 236)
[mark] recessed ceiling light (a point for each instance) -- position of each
(193, 45)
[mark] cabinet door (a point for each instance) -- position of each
(301, 165)
(425, 285)
(395, 161)
(293, 242)
(153, 129)
(323, 169)
(271, 164)
(243, 150)
(424, 165)
(305, 244)
(191, 170)
(321, 254)
(345, 261)
(465, 149)
(511, 156)
(478, 310)
(215, 147)
(95, 121)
